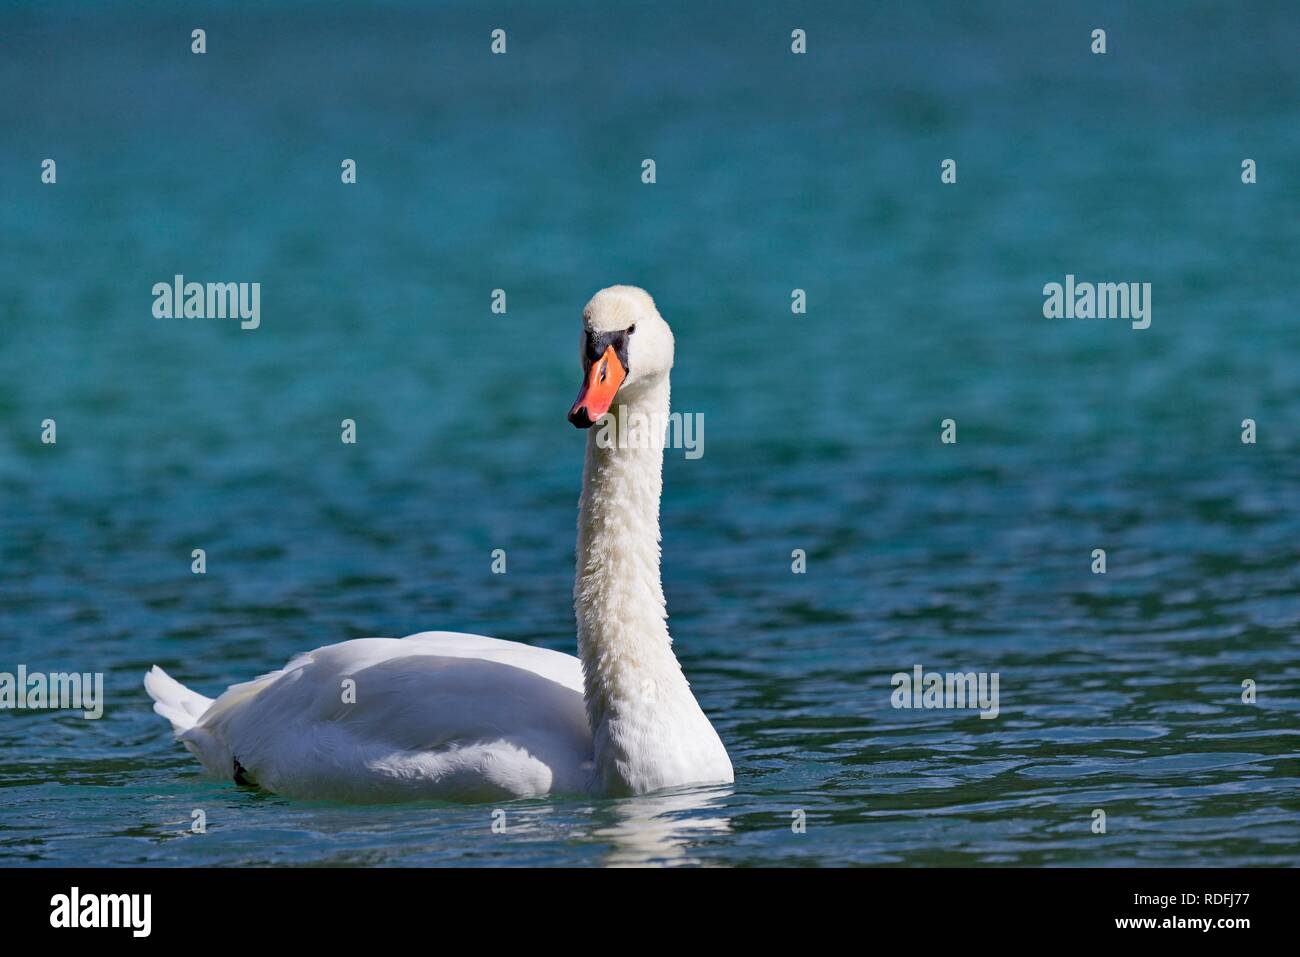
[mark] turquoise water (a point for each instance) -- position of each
(1119, 692)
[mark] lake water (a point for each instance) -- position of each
(1120, 692)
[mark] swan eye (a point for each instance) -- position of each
(631, 329)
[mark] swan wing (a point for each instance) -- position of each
(438, 714)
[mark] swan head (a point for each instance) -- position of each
(625, 348)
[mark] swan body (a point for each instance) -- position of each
(468, 718)
(435, 715)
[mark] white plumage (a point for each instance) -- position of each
(468, 718)
(460, 717)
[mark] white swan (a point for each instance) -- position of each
(463, 717)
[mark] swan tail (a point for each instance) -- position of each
(175, 702)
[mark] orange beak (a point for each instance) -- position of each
(597, 393)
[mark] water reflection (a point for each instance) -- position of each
(661, 829)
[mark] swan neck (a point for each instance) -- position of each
(618, 592)
(623, 638)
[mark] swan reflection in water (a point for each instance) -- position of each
(662, 828)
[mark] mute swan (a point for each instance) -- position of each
(467, 718)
